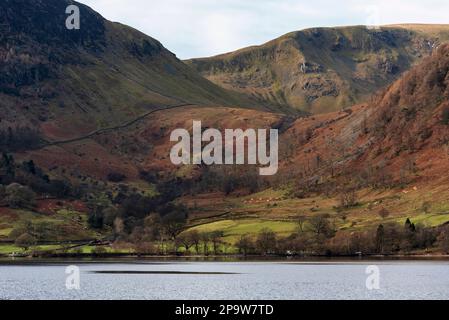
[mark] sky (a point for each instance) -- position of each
(202, 28)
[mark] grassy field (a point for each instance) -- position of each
(234, 229)
(62, 224)
(275, 210)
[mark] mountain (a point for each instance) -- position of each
(323, 69)
(400, 137)
(75, 100)
(69, 82)
(86, 118)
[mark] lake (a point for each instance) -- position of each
(170, 280)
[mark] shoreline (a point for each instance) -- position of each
(120, 258)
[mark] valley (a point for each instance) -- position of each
(86, 119)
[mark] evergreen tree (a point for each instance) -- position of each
(380, 239)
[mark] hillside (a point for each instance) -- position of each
(371, 167)
(85, 142)
(69, 82)
(82, 113)
(323, 69)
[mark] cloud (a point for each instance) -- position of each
(195, 28)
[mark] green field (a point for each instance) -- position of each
(63, 225)
(234, 229)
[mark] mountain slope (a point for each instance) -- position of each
(401, 135)
(94, 90)
(69, 82)
(323, 69)
(380, 163)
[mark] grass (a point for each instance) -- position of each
(64, 224)
(10, 248)
(234, 229)
(5, 232)
(431, 220)
(250, 214)
(7, 249)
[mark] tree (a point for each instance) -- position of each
(409, 226)
(205, 238)
(97, 204)
(196, 239)
(215, 237)
(2, 193)
(266, 241)
(42, 230)
(110, 214)
(443, 239)
(409, 236)
(380, 239)
(301, 221)
(174, 224)
(245, 245)
(321, 228)
(25, 241)
(185, 239)
(19, 138)
(119, 226)
(7, 168)
(348, 196)
(20, 197)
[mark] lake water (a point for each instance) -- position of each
(226, 280)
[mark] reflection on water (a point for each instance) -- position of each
(330, 279)
(156, 272)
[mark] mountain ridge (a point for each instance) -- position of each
(98, 76)
(323, 69)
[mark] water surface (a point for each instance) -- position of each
(170, 280)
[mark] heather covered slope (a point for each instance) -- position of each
(408, 120)
(323, 69)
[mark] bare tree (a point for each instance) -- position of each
(25, 241)
(205, 239)
(348, 194)
(321, 227)
(301, 222)
(245, 244)
(195, 239)
(266, 241)
(216, 239)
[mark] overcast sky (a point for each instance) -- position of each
(198, 28)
